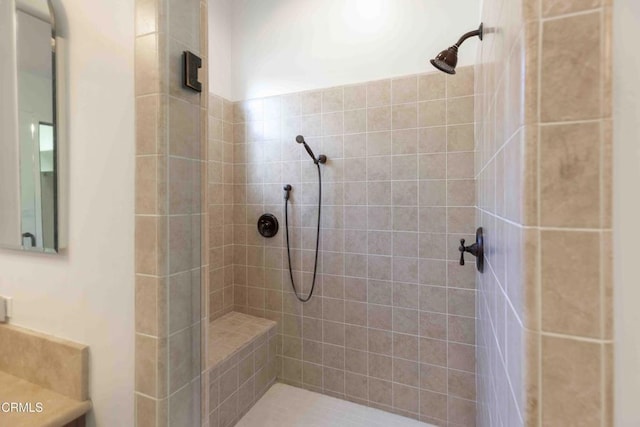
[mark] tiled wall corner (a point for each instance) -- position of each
(169, 213)
(506, 142)
(544, 166)
(205, 242)
(221, 209)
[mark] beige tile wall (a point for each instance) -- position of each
(220, 187)
(543, 171)
(392, 322)
(169, 214)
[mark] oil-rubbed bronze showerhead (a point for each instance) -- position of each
(447, 60)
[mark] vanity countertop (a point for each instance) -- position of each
(39, 368)
(57, 410)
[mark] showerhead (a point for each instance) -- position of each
(447, 60)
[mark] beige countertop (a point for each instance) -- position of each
(57, 410)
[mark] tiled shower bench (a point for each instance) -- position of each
(241, 364)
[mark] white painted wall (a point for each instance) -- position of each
(281, 46)
(87, 293)
(220, 12)
(626, 17)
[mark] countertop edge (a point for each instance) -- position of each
(63, 409)
(72, 414)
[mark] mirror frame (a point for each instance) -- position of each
(56, 110)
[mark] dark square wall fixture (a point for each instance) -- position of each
(191, 63)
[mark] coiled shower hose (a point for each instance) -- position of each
(315, 265)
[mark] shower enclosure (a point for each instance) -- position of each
(391, 323)
(412, 168)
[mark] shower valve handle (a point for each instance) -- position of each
(473, 250)
(477, 250)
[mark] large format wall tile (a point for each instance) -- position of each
(542, 169)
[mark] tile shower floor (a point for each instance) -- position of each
(287, 406)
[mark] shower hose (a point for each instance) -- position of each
(315, 265)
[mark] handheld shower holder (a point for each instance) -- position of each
(322, 159)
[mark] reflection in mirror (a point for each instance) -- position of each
(28, 123)
(47, 184)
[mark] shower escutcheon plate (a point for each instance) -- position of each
(268, 225)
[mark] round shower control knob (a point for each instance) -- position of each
(268, 225)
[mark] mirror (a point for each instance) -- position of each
(28, 127)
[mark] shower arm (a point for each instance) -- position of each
(470, 34)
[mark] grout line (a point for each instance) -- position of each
(446, 198)
(420, 403)
(542, 228)
(575, 338)
(538, 276)
(573, 122)
(570, 14)
(393, 273)
(366, 91)
(603, 387)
